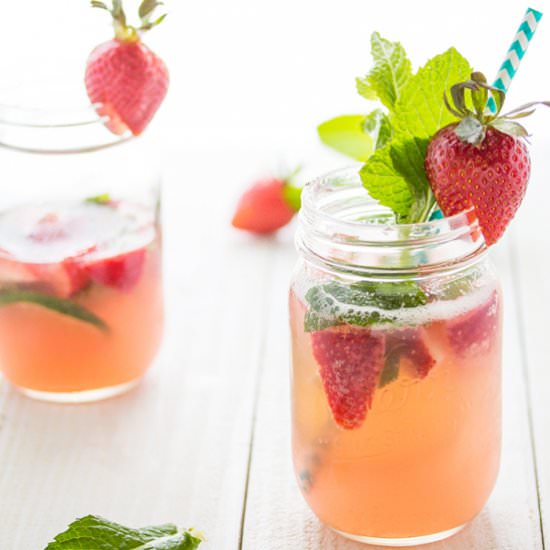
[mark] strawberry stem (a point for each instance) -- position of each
(129, 33)
(292, 196)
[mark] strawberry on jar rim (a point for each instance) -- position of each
(124, 79)
(481, 161)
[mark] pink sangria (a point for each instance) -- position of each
(395, 368)
(81, 306)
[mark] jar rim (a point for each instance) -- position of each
(334, 227)
(465, 217)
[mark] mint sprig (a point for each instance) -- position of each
(346, 134)
(394, 174)
(54, 303)
(360, 304)
(97, 533)
(391, 72)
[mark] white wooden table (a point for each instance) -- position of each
(204, 440)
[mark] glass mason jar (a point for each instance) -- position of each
(396, 360)
(81, 308)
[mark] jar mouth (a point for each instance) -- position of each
(340, 223)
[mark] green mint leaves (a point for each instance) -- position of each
(361, 304)
(394, 173)
(347, 135)
(391, 72)
(94, 532)
(59, 305)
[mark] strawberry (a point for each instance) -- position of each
(122, 272)
(481, 161)
(473, 332)
(350, 362)
(267, 206)
(409, 344)
(124, 78)
(64, 279)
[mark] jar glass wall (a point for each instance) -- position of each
(81, 310)
(396, 344)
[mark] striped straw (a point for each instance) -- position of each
(515, 54)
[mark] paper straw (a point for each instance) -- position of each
(515, 54)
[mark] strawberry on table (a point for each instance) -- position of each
(124, 78)
(481, 161)
(350, 362)
(267, 206)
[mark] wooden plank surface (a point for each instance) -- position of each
(531, 263)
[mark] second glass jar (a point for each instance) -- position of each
(396, 344)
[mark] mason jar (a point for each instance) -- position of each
(81, 307)
(396, 367)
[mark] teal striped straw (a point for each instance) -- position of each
(515, 54)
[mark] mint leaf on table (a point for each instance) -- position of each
(335, 303)
(97, 533)
(346, 135)
(59, 305)
(395, 174)
(391, 72)
(102, 199)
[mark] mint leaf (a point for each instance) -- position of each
(346, 135)
(391, 72)
(360, 304)
(102, 199)
(408, 156)
(97, 533)
(377, 125)
(60, 305)
(390, 372)
(420, 111)
(395, 174)
(385, 184)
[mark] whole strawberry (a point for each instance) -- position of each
(124, 78)
(267, 206)
(481, 161)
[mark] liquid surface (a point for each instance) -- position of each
(53, 232)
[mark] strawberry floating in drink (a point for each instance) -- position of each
(350, 362)
(267, 205)
(124, 78)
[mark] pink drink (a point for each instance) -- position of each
(80, 296)
(424, 456)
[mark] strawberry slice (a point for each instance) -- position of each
(350, 362)
(64, 279)
(122, 272)
(474, 332)
(409, 344)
